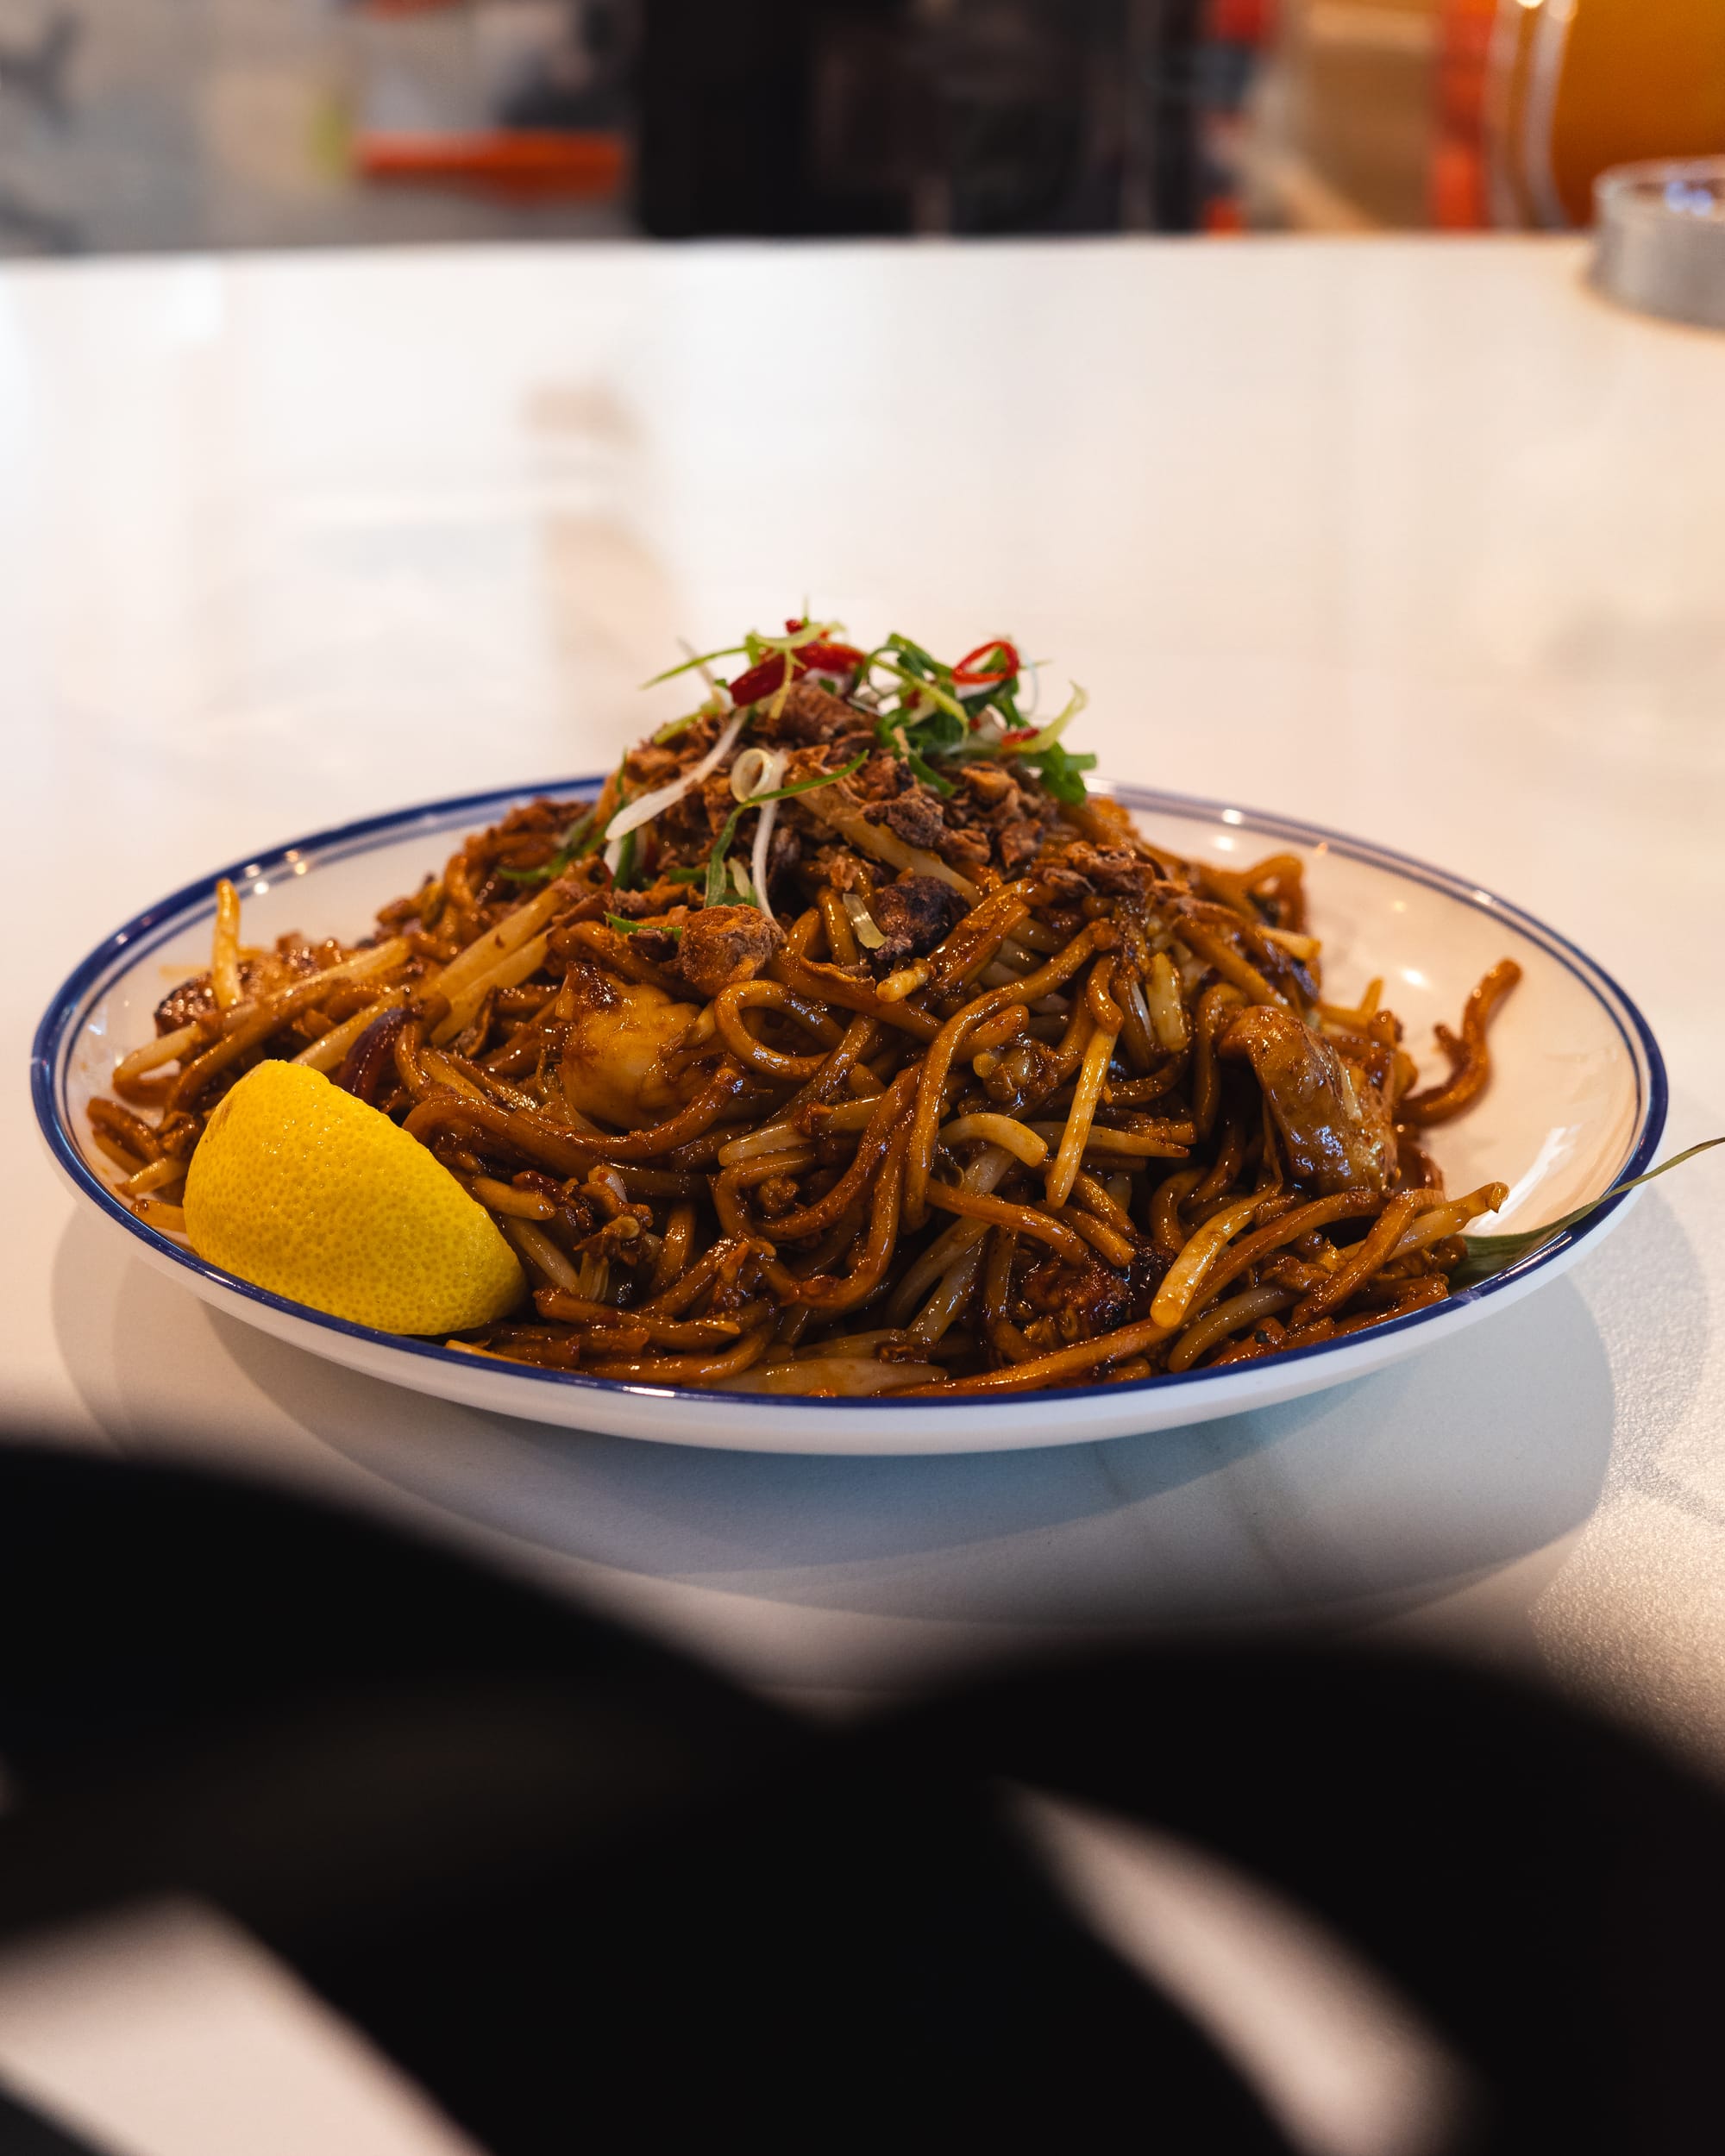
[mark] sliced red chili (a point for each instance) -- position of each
(1016, 734)
(769, 674)
(760, 680)
(831, 658)
(971, 674)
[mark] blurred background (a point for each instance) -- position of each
(147, 124)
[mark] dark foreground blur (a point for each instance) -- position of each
(559, 1875)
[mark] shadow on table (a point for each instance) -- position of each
(1381, 1492)
(1352, 1503)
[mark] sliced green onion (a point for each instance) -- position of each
(1046, 737)
(931, 690)
(927, 665)
(701, 659)
(634, 928)
(1061, 772)
(926, 772)
(715, 878)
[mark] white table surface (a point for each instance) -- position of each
(1414, 538)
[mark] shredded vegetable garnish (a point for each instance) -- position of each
(721, 845)
(955, 1085)
(646, 806)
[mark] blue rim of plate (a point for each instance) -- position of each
(49, 1057)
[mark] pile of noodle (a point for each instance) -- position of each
(1088, 1119)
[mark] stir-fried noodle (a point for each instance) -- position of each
(846, 1046)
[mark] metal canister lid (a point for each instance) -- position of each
(1659, 238)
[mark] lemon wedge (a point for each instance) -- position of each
(300, 1188)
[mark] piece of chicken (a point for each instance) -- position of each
(1335, 1129)
(722, 945)
(611, 1065)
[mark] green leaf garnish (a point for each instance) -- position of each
(634, 928)
(942, 697)
(936, 732)
(998, 698)
(701, 659)
(1060, 771)
(1055, 727)
(926, 772)
(923, 664)
(932, 733)
(685, 875)
(922, 713)
(716, 872)
(1489, 1254)
(717, 878)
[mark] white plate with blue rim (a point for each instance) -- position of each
(1576, 1106)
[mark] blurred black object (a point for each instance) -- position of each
(580, 81)
(976, 117)
(24, 2132)
(562, 1875)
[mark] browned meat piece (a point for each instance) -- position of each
(988, 783)
(642, 906)
(1075, 1306)
(785, 851)
(650, 765)
(1017, 842)
(196, 999)
(914, 915)
(883, 777)
(965, 848)
(1110, 868)
(191, 1000)
(915, 817)
(1335, 1129)
(716, 794)
(992, 796)
(1081, 1304)
(1023, 1078)
(658, 945)
(921, 909)
(844, 870)
(722, 945)
(810, 714)
(778, 1194)
(1062, 883)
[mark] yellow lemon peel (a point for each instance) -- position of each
(302, 1189)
